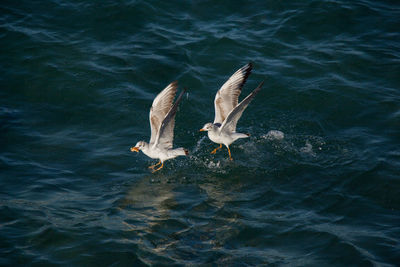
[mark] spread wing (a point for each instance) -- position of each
(233, 117)
(160, 107)
(227, 96)
(165, 136)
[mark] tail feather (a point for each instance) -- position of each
(241, 135)
(180, 152)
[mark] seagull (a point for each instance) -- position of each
(162, 122)
(228, 111)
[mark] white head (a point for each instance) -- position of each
(207, 127)
(139, 146)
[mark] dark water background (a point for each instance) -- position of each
(77, 79)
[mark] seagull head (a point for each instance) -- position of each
(139, 146)
(207, 127)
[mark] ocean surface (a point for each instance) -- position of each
(316, 184)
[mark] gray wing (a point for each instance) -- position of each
(160, 107)
(165, 136)
(227, 96)
(233, 117)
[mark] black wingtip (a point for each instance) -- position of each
(247, 71)
(258, 88)
(248, 67)
(186, 152)
(181, 94)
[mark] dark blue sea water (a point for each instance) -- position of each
(77, 79)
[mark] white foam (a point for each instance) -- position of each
(307, 149)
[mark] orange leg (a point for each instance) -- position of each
(153, 166)
(162, 165)
(215, 150)
(229, 151)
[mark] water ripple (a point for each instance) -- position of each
(78, 80)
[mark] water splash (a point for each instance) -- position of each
(273, 135)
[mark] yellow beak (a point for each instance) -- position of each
(135, 149)
(202, 130)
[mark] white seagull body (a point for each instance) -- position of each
(162, 122)
(228, 111)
